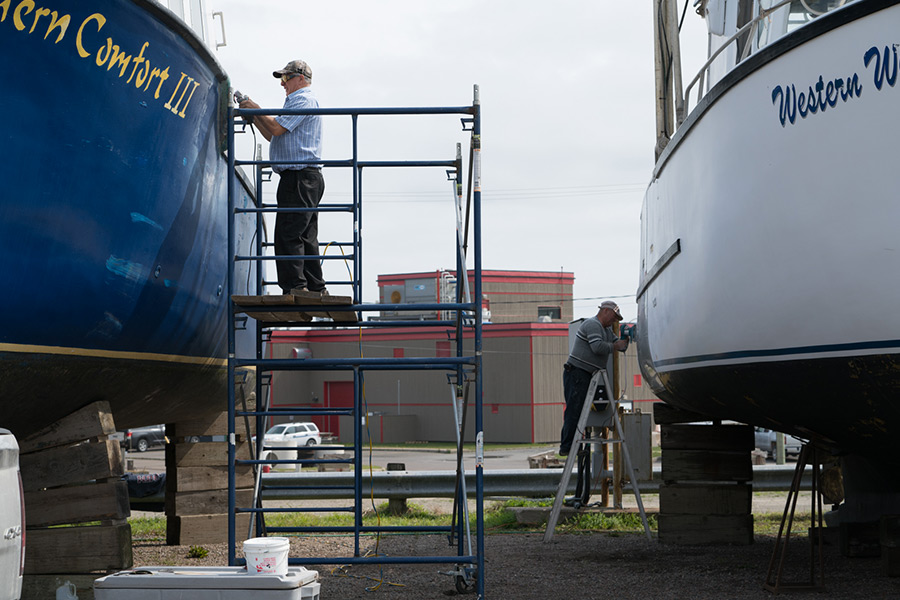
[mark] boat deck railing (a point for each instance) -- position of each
(746, 40)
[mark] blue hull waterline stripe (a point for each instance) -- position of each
(788, 353)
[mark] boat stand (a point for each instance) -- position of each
(774, 583)
(305, 311)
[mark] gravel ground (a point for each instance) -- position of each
(593, 565)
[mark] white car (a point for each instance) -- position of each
(302, 434)
(290, 435)
(12, 519)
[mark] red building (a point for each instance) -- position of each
(524, 347)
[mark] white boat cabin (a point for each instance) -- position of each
(738, 28)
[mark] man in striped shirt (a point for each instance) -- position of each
(296, 140)
(595, 340)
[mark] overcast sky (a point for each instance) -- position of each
(567, 125)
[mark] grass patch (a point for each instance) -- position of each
(769, 523)
(498, 517)
(148, 529)
(621, 522)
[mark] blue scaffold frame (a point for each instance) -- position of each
(463, 315)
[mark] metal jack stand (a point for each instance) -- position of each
(807, 456)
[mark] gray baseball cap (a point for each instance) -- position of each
(295, 66)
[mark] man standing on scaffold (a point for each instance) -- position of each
(594, 342)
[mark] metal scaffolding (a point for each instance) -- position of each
(460, 317)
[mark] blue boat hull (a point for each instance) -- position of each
(113, 220)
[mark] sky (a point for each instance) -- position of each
(567, 98)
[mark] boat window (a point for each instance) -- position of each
(177, 7)
(791, 16)
(197, 18)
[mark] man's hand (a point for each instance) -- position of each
(267, 126)
(248, 103)
(621, 345)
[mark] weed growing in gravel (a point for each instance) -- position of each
(197, 552)
(607, 522)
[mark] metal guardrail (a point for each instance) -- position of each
(515, 483)
(519, 483)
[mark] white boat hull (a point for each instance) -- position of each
(777, 302)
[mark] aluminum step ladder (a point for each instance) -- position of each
(595, 413)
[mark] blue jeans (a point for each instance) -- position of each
(575, 386)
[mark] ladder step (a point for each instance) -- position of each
(298, 509)
(600, 441)
(590, 417)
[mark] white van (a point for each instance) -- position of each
(12, 519)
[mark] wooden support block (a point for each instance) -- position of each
(705, 465)
(199, 479)
(889, 531)
(78, 549)
(705, 530)
(206, 454)
(77, 504)
(890, 561)
(74, 464)
(710, 499)
(202, 503)
(94, 420)
(736, 438)
(203, 529)
(216, 424)
(665, 414)
(42, 587)
(860, 539)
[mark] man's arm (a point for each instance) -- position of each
(266, 124)
(595, 335)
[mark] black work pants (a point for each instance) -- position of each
(297, 233)
(575, 386)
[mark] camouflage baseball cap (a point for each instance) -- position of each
(295, 66)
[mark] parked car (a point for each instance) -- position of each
(299, 434)
(12, 519)
(766, 440)
(144, 438)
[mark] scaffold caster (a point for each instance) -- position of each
(466, 578)
(465, 584)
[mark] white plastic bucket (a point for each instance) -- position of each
(267, 555)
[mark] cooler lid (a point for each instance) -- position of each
(208, 578)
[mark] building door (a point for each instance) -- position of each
(338, 394)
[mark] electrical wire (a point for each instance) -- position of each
(344, 570)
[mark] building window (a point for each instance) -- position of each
(554, 312)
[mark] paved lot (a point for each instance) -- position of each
(415, 460)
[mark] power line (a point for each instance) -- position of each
(493, 194)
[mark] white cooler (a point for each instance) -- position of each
(206, 583)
